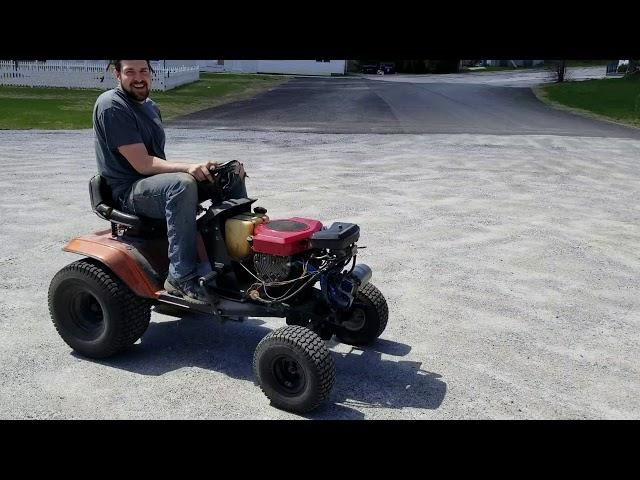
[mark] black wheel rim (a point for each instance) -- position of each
(356, 320)
(84, 314)
(288, 374)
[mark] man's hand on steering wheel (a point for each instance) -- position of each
(201, 171)
(238, 168)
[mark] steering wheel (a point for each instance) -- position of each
(224, 178)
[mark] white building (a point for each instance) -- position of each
(86, 74)
(289, 67)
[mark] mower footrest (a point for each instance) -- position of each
(181, 302)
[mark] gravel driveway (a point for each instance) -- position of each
(510, 264)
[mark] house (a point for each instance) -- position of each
(86, 74)
(287, 67)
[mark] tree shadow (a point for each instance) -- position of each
(363, 378)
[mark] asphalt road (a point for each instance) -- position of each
(362, 105)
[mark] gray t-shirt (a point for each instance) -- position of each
(117, 121)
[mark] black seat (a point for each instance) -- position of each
(103, 205)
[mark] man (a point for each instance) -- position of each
(129, 143)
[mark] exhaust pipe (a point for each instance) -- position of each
(362, 273)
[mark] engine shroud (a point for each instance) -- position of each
(284, 237)
(272, 268)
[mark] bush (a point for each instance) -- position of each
(353, 66)
(443, 66)
(623, 68)
(427, 66)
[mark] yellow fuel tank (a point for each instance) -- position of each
(237, 229)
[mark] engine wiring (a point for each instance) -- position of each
(328, 261)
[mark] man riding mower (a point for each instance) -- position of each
(292, 268)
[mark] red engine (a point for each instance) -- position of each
(284, 237)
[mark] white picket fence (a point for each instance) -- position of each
(86, 75)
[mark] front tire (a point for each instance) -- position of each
(367, 318)
(94, 312)
(294, 368)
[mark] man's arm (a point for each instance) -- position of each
(146, 164)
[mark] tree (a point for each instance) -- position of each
(557, 69)
(561, 70)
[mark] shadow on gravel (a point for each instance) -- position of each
(365, 381)
(363, 378)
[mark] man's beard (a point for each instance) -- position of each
(138, 96)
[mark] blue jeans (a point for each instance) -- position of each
(174, 196)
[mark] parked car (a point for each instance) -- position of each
(387, 67)
(369, 68)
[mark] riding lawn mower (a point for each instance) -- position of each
(294, 268)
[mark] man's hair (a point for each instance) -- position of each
(117, 64)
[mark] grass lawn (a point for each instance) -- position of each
(616, 99)
(62, 108)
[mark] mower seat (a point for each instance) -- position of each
(103, 205)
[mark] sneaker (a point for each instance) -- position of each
(189, 291)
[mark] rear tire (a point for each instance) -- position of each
(294, 369)
(366, 320)
(94, 312)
